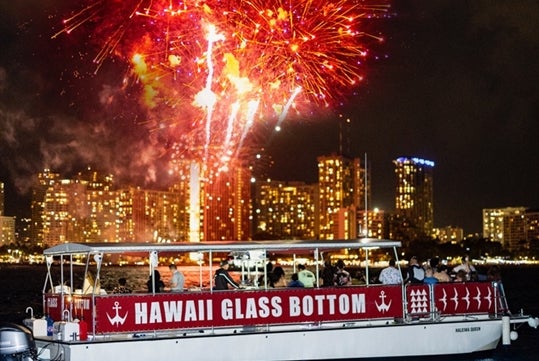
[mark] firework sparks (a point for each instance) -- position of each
(210, 70)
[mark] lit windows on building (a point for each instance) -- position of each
(414, 196)
(342, 192)
(286, 209)
(506, 225)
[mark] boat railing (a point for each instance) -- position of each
(144, 312)
(139, 312)
(434, 301)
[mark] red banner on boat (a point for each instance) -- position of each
(136, 313)
(457, 298)
(451, 298)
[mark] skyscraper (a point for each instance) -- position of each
(216, 204)
(505, 225)
(1, 199)
(414, 196)
(342, 192)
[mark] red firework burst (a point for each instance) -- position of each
(211, 70)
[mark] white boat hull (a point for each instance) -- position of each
(288, 343)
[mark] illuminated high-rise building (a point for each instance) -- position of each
(226, 205)
(343, 193)
(100, 224)
(375, 223)
(532, 229)
(2, 197)
(414, 196)
(45, 182)
(286, 210)
(505, 225)
(7, 230)
(81, 209)
(449, 234)
(64, 214)
(7, 224)
(216, 205)
(149, 216)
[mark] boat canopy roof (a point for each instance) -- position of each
(222, 246)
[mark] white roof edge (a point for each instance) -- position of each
(124, 247)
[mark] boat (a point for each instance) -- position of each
(257, 322)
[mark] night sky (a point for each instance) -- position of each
(454, 82)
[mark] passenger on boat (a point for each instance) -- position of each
(305, 276)
(342, 276)
(177, 279)
(155, 284)
(390, 275)
(277, 277)
(122, 287)
(434, 264)
(295, 281)
(494, 274)
(466, 266)
(441, 275)
(328, 275)
(429, 276)
(262, 279)
(416, 274)
(222, 278)
(460, 276)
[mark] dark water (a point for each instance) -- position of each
(22, 287)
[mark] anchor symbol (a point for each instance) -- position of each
(383, 307)
(117, 320)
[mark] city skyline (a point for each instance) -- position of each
(453, 82)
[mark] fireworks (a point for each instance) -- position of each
(213, 71)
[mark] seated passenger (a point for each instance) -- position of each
(122, 287)
(277, 277)
(441, 275)
(460, 276)
(429, 276)
(155, 284)
(295, 281)
(494, 274)
(466, 266)
(342, 276)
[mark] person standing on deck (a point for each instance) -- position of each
(416, 273)
(390, 275)
(306, 277)
(177, 280)
(222, 278)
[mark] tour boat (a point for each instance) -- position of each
(255, 322)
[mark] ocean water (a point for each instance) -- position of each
(22, 287)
